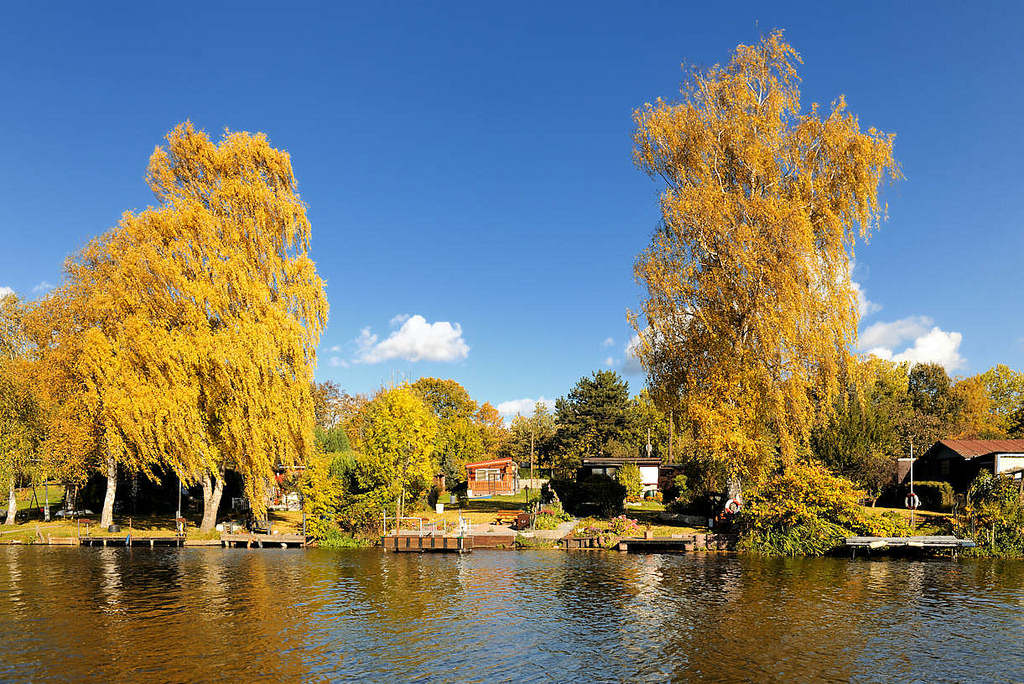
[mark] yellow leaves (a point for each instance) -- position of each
(750, 312)
(399, 433)
(188, 333)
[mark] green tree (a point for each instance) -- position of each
(460, 439)
(593, 413)
(645, 419)
(1006, 393)
(629, 476)
(533, 435)
(863, 438)
(931, 392)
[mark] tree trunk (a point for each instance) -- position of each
(213, 490)
(107, 516)
(12, 505)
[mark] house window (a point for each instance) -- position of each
(944, 467)
(488, 474)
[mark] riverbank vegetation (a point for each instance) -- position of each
(181, 347)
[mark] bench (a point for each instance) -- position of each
(517, 520)
(507, 517)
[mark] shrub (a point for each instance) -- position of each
(322, 496)
(598, 493)
(805, 510)
(336, 539)
(624, 527)
(677, 491)
(523, 542)
(629, 476)
(995, 516)
(548, 521)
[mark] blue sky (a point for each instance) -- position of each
(467, 165)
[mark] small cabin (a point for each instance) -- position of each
(649, 469)
(498, 476)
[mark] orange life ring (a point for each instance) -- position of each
(733, 506)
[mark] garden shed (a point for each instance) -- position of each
(499, 476)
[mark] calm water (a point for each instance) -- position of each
(210, 614)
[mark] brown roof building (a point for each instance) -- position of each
(958, 461)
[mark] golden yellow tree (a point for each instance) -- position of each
(399, 436)
(20, 425)
(749, 312)
(193, 325)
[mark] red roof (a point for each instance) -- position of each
(970, 448)
(495, 462)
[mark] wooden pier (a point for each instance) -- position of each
(130, 540)
(263, 541)
(907, 544)
(426, 543)
(675, 544)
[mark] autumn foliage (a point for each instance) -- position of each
(749, 312)
(185, 337)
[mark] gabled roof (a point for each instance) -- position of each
(493, 462)
(610, 461)
(972, 448)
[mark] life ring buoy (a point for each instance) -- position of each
(733, 506)
(913, 501)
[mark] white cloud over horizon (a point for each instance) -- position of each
(415, 340)
(522, 407)
(922, 342)
(4, 291)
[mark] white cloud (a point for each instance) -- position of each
(865, 306)
(522, 407)
(416, 340)
(631, 364)
(609, 362)
(336, 349)
(607, 342)
(894, 332)
(927, 343)
(44, 286)
(337, 361)
(398, 320)
(4, 291)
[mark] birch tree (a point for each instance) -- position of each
(749, 312)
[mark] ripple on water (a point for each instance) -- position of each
(201, 614)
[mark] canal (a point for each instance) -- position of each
(82, 614)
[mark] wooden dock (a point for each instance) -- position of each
(130, 540)
(676, 544)
(263, 541)
(919, 544)
(426, 543)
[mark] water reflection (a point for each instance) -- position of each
(202, 614)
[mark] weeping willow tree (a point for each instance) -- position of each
(750, 312)
(193, 325)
